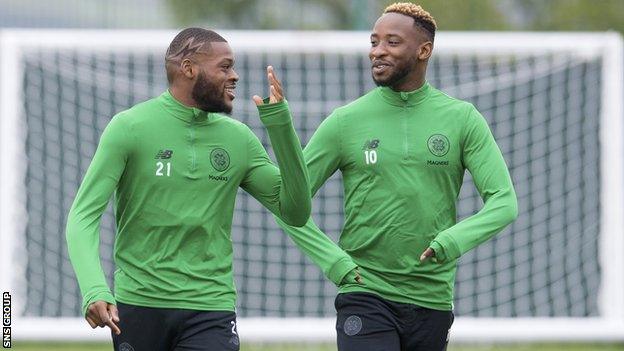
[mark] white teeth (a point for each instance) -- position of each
(230, 92)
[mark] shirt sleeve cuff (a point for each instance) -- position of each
(97, 296)
(445, 248)
(440, 256)
(340, 270)
(274, 114)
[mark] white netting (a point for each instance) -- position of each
(544, 109)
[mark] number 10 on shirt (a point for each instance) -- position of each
(371, 157)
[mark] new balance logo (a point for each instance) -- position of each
(370, 144)
(163, 154)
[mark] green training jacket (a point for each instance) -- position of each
(175, 172)
(403, 156)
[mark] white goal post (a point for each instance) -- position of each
(607, 48)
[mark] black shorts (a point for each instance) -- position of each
(170, 329)
(366, 322)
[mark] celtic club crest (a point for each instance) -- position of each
(220, 159)
(352, 325)
(438, 145)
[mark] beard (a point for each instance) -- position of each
(400, 73)
(209, 96)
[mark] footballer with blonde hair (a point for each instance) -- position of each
(403, 149)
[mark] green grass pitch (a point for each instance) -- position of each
(522, 347)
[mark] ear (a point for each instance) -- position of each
(188, 68)
(424, 50)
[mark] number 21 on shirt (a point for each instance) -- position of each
(163, 169)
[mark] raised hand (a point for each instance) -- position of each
(275, 89)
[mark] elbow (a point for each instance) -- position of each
(510, 212)
(300, 216)
(295, 222)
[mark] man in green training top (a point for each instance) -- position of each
(175, 164)
(403, 149)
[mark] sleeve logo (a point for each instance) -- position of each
(220, 159)
(438, 145)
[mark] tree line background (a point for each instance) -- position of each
(504, 15)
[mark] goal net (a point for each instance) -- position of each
(553, 101)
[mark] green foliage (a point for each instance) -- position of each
(196, 12)
(261, 14)
(466, 14)
(578, 15)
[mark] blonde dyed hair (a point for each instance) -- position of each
(422, 18)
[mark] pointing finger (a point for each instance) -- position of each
(113, 326)
(275, 95)
(114, 313)
(276, 82)
(273, 79)
(107, 319)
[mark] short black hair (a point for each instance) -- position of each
(422, 18)
(188, 42)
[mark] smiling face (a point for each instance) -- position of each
(215, 82)
(399, 52)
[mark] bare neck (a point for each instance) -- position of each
(183, 95)
(410, 85)
(414, 80)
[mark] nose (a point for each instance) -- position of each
(234, 76)
(377, 51)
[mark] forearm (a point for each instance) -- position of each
(83, 247)
(294, 192)
(333, 261)
(498, 212)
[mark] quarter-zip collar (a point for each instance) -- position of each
(405, 98)
(177, 109)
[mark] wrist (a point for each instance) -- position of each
(276, 113)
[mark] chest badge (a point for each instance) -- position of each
(438, 145)
(220, 159)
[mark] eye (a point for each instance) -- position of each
(373, 43)
(393, 42)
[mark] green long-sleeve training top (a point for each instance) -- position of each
(403, 156)
(175, 172)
